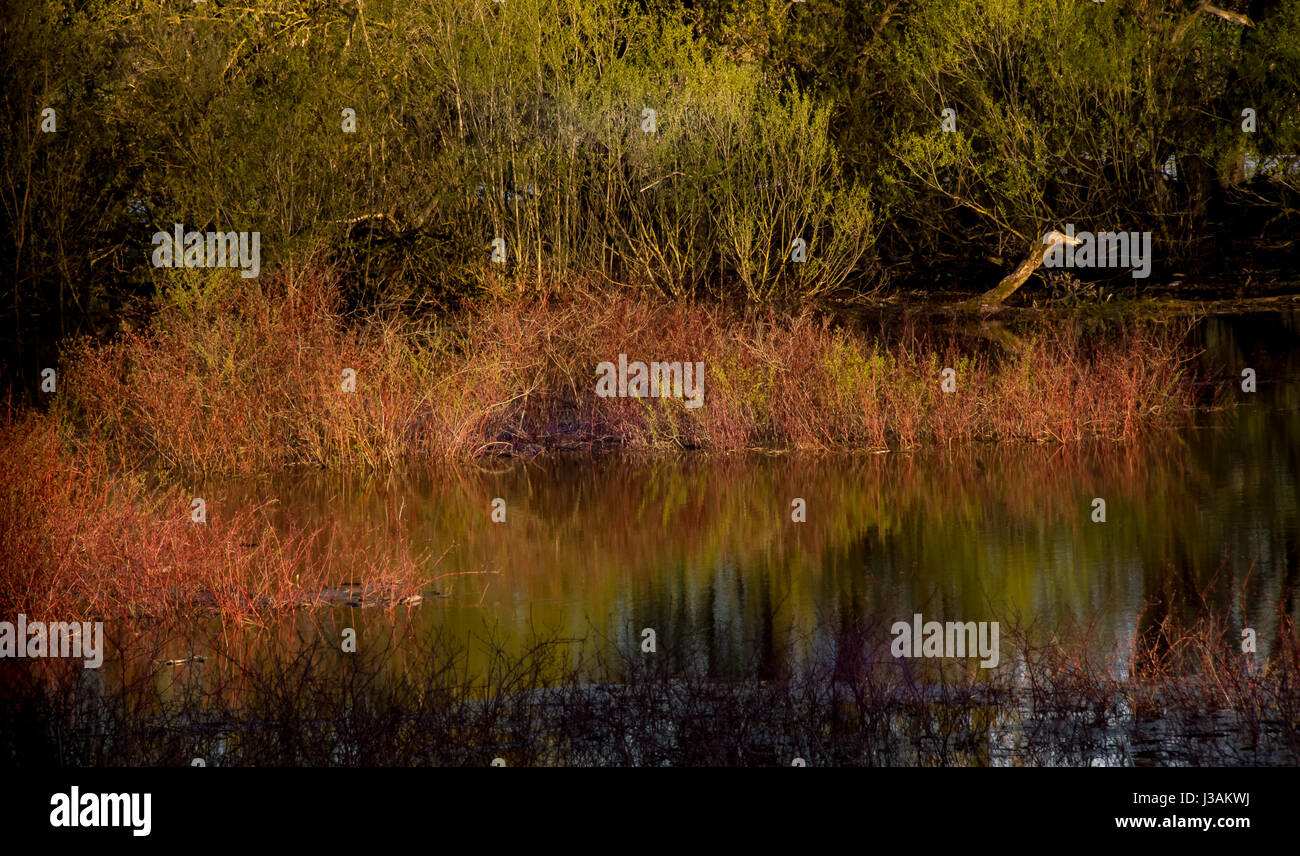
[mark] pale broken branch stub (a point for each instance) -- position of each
(1012, 281)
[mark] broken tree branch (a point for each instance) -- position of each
(1004, 289)
(1204, 6)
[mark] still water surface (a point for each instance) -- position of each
(703, 547)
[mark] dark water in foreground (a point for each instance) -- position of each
(703, 551)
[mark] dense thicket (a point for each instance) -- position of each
(526, 121)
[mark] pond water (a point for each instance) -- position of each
(703, 550)
(704, 547)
